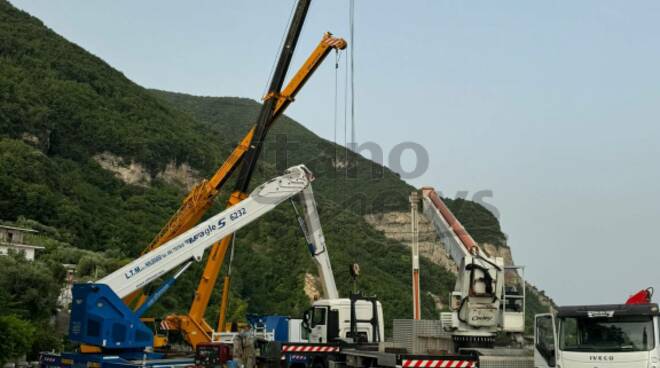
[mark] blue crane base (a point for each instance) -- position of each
(100, 318)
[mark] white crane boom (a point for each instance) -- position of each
(316, 243)
(193, 243)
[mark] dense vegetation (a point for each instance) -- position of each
(60, 106)
(29, 291)
(77, 105)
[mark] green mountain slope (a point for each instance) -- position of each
(363, 186)
(77, 105)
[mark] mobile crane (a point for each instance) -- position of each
(193, 326)
(331, 317)
(100, 318)
(481, 305)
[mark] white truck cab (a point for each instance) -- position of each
(598, 336)
(330, 320)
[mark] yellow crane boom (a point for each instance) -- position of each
(193, 325)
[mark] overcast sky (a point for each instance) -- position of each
(553, 106)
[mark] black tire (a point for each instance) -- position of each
(318, 363)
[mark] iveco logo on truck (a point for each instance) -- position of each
(601, 358)
(597, 314)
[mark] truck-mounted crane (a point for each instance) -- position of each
(99, 316)
(480, 305)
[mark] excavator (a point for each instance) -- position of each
(193, 326)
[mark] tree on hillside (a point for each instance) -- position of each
(31, 287)
(17, 338)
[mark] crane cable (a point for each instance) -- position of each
(351, 20)
(336, 98)
(350, 70)
(346, 113)
(336, 102)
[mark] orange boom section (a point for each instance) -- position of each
(453, 222)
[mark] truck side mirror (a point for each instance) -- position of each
(306, 319)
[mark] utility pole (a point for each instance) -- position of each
(417, 309)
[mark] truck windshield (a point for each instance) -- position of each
(616, 334)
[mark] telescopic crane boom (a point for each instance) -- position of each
(100, 318)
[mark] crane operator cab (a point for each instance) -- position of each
(621, 335)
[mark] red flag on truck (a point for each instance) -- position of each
(641, 297)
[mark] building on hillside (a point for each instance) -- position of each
(63, 315)
(12, 239)
(66, 296)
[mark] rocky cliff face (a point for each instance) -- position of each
(396, 225)
(545, 300)
(131, 172)
(495, 251)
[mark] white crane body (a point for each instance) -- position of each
(479, 306)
